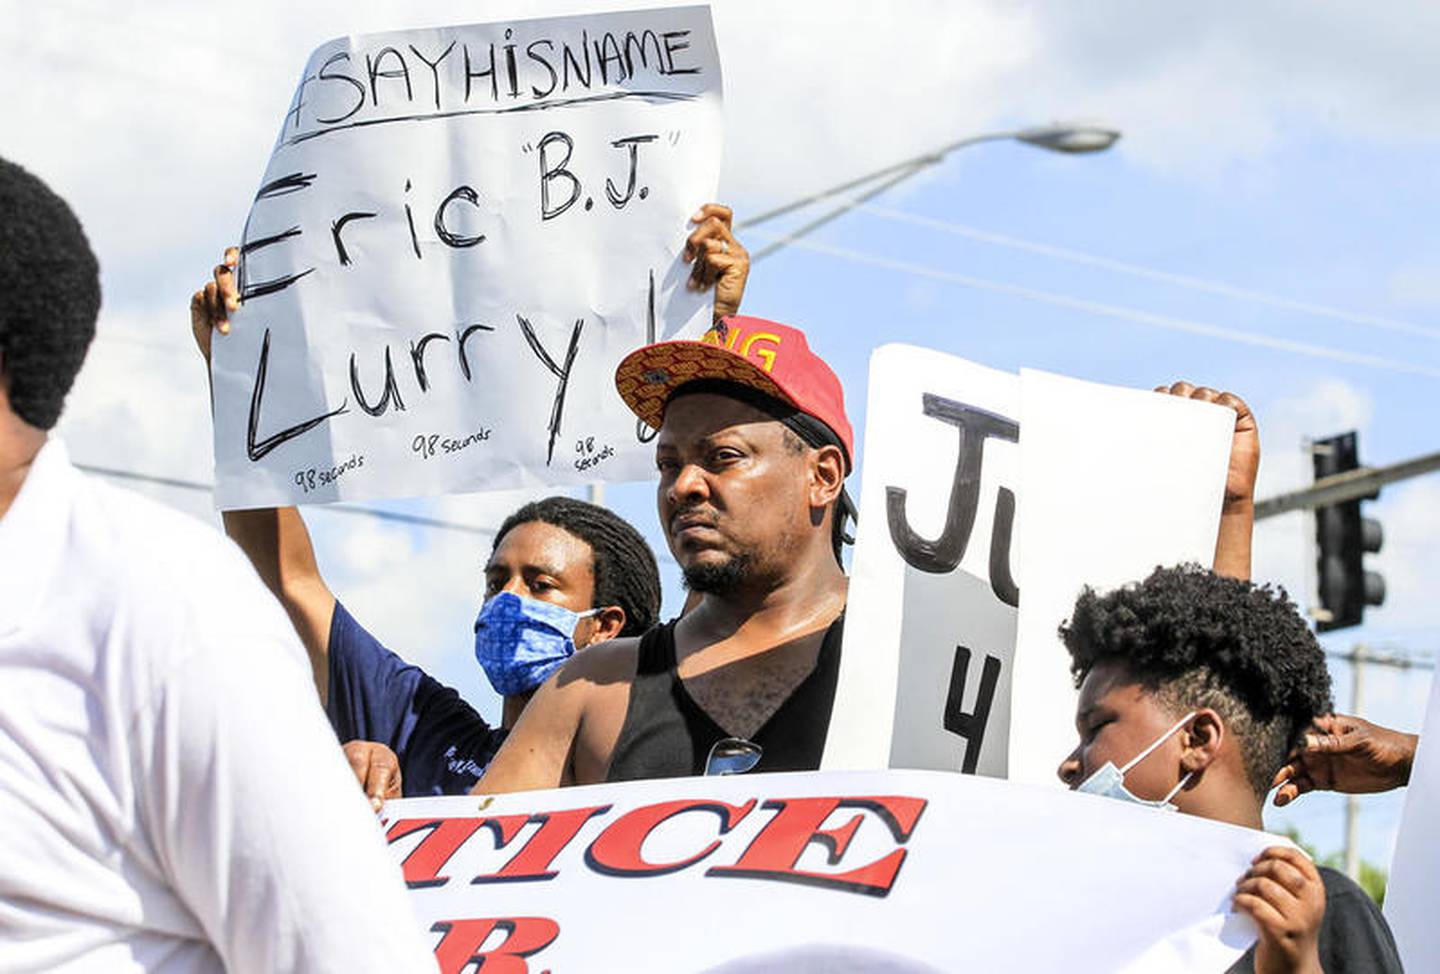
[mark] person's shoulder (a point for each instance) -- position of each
(170, 568)
(1341, 888)
(611, 662)
(1354, 935)
(160, 540)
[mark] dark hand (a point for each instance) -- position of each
(720, 260)
(210, 306)
(1346, 754)
(376, 768)
(1283, 893)
(1244, 442)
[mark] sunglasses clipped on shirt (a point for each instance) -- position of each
(732, 755)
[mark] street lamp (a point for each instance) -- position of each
(1072, 139)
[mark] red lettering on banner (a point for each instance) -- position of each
(446, 835)
(617, 850)
(460, 947)
(797, 823)
(532, 862)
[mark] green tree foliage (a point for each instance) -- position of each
(1372, 877)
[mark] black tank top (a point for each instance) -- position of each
(667, 734)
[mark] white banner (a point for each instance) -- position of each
(1414, 886)
(459, 234)
(1110, 483)
(883, 871)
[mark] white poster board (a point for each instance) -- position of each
(460, 233)
(930, 624)
(1113, 482)
(882, 871)
(1118, 481)
(1414, 886)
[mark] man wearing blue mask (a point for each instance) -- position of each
(562, 575)
(1193, 690)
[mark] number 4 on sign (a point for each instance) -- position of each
(970, 726)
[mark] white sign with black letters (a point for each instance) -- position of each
(1116, 482)
(459, 234)
(930, 624)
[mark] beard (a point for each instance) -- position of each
(719, 579)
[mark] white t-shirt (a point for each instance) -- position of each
(171, 797)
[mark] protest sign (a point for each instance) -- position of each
(1414, 886)
(930, 624)
(1117, 481)
(1113, 482)
(892, 871)
(460, 233)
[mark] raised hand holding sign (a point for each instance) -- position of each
(459, 234)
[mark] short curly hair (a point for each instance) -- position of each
(49, 296)
(622, 563)
(1198, 639)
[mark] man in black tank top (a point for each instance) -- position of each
(753, 450)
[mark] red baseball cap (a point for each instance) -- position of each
(764, 355)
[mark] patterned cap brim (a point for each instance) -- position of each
(648, 376)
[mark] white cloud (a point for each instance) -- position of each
(1410, 560)
(156, 119)
(141, 403)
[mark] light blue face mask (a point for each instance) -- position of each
(520, 641)
(1109, 780)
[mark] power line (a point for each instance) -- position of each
(1116, 311)
(1148, 273)
(173, 348)
(417, 520)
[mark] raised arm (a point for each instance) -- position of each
(568, 731)
(1237, 515)
(538, 752)
(274, 539)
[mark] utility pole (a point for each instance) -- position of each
(1352, 802)
(1358, 658)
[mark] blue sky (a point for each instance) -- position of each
(1276, 147)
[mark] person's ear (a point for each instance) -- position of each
(1202, 740)
(606, 624)
(827, 475)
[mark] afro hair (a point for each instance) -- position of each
(49, 296)
(1198, 639)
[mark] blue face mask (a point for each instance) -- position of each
(1109, 780)
(519, 641)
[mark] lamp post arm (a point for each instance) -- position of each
(905, 168)
(840, 210)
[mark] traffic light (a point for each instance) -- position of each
(1342, 538)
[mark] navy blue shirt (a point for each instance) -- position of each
(442, 743)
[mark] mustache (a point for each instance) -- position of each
(692, 517)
